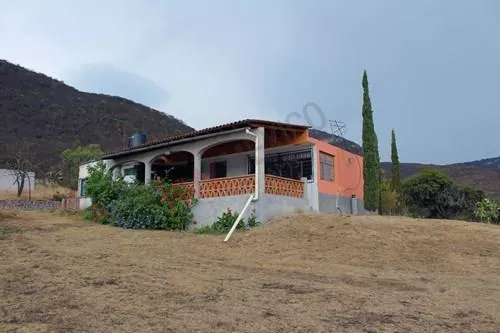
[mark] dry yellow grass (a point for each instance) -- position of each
(303, 273)
(40, 192)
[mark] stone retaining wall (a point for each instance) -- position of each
(30, 204)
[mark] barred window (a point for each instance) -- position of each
(294, 165)
(327, 170)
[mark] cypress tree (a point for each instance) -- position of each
(396, 172)
(371, 158)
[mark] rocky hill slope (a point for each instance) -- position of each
(49, 116)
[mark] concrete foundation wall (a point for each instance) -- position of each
(328, 204)
(268, 206)
(275, 205)
(206, 211)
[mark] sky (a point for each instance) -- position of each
(433, 66)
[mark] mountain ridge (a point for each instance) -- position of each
(49, 116)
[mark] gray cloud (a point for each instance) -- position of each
(432, 65)
(108, 79)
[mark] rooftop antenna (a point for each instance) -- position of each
(337, 127)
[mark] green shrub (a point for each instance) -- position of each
(206, 229)
(144, 208)
(225, 222)
(487, 211)
(88, 214)
(102, 189)
(136, 206)
(389, 199)
(432, 194)
(252, 220)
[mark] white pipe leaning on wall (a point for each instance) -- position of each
(239, 218)
(257, 168)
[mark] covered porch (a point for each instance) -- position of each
(224, 168)
(280, 162)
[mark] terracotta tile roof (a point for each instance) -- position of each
(252, 123)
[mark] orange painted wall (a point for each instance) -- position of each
(348, 175)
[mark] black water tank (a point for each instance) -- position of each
(136, 139)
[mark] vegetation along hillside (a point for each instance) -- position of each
(48, 116)
(482, 174)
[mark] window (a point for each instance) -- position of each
(294, 165)
(218, 169)
(326, 166)
(83, 188)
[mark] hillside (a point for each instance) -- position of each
(49, 116)
(482, 174)
(302, 273)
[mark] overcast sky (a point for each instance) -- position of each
(433, 66)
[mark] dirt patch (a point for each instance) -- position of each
(304, 273)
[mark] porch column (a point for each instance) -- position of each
(197, 173)
(147, 172)
(260, 167)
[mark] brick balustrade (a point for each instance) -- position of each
(221, 187)
(284, 186)
(188, 188)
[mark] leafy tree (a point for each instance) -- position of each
(76, 156)
(427, 193)
(432, 193)
(371, 158)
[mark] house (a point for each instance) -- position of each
(277, 167)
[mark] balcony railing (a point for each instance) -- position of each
(221, 187)
(284, 186)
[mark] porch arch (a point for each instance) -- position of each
(177, 166)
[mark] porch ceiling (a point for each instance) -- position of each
(273, 138)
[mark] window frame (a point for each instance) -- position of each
(326, 163)
(83, 193)
(282, 159)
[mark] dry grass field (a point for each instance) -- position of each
(302, 273)
(40, 192)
